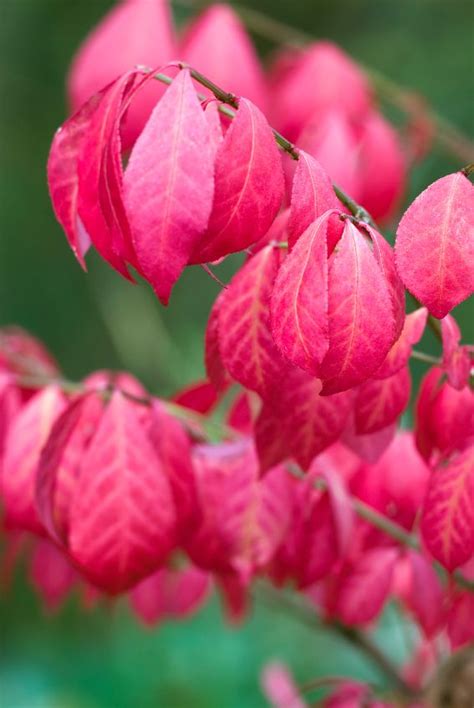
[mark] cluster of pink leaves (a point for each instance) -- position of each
(121, 497)
(336, 121)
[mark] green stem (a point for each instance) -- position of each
(427, 358)
(299, 608)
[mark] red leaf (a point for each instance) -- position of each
(311, 196)
(364, 587)
(456, 359)
(59, 463)
(311, 422)
(215, 369)
(435, 244)
(26, 437)
(330, 138)
(368, 447)
(460, 625)
(426, 597)
(249, 186)
(447, 522)
(112, 49)
(380, 402)
(399, 354)
(244, 518)
(200, 396)
(246, 343)
(300, 300)
(381, 167)
(122, 523)
(212, 43)
(361, 324)
(336, 82)
(444, 417)
(170, 594)
(280, 688)
(173, 447)
(386, 261)
(270, 439)
(240, 415)
(63, 178)
(169, 185)
(51, 573)
(396, 483)
(99, 172)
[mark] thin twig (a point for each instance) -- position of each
(448, 136)
(422, 356)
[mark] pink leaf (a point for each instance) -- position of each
(135, 32)
(361, 323)
(460, 625)
(173, 447)
(212, 43)
(25, 440)
(300, 300)
(444, 417)
(200, 396)
(99, 198)
(447, 523)
(122, 523)
(456, 359)
(380, 402)
(59, 463)
(169, 185)
(364, 587)
(270, 439)
(336, 83)
(399, 354)
(426, 597)
(311, 422)
(311, 196)
(246, 343)
(63, 178)
(215, 368)
(249, 186)
(368, 447)
(170, 594)
(51, 573)
(435, 244)
(382, 168)
(279, 687)
(330, 138)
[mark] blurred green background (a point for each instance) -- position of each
(104, 658)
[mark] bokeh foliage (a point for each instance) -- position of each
(104, 658)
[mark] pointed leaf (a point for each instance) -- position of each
(380, 402)
(122, 523)
(311, 422)
(435, 244)
(26, 437)
(312, 195)
(169, 185)
(361, 324)
(212, 43)
(112, 49)
(249, 186)
(399, 354)
(456, 358)
(300, 300)
(170, 594)
(447, 522)
(246, 343)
